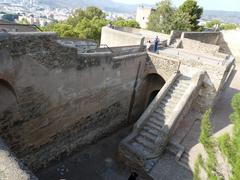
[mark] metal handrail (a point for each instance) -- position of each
(107, 47)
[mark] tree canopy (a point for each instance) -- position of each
(195, 12)
(87, 24)
(166, 18)
(160, 19)
(121, 22)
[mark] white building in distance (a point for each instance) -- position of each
(142, 16)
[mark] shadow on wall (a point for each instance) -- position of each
(8, 108)
(224, 48)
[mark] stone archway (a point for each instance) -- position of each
(146, 92)
(152, 85)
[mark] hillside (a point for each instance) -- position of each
(107, 5)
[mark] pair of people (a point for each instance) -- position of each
(155, 47)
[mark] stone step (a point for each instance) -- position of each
(151, 125)
(176, 91)
(151, 130)
(184, 161)
(165, 111)
(164, 106)
(185, 158)
(179, 90)
(167, 108)
(159, 113)
(170, 100)
(168, 104)
(138, 146)
(149, 164)
(158, 122)
(148, 135)
(173, 96)
(157, 116)
(162, 112)
(182, 82)
(145, 142)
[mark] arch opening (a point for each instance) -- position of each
(153, 84)
(152, 96)
(147, 91)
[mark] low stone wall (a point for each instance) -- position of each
(14, 27)
(82, 45)
(205, 37)
(120, 50)
(194, 45)
(114, 38)
(149, 35)
(64, 100)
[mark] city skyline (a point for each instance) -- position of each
(231, 5)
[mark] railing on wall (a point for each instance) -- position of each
(106, 47)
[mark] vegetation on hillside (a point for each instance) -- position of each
(223, 26)
(87, 24)
(166, 17)
(228, 147)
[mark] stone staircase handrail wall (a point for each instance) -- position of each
(169, 125)
(155, 102)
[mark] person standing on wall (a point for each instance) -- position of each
(156, 41)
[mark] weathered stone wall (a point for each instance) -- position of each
(14, 27)
(149, 35)
(114, 38)
(82, 45)
(164, 66)
(194, 45)
(205, 37)
(64, 100)
(214, 80)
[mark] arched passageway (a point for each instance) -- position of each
(152, 96)
(152, 84)
(148, 89)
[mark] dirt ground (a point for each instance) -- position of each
(96, 162)
(100, 162)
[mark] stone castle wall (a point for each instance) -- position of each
(64, 100)
(114, 38)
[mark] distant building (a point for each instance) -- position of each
(142, 15)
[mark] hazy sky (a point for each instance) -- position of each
(227, 5)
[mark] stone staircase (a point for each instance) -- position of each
(150, 136)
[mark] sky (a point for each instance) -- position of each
(225, 5)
